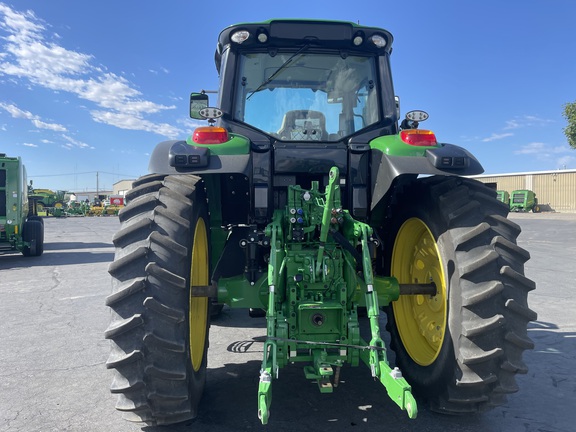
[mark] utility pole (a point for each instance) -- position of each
(97, 185)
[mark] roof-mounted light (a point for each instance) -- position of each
(240, 36)
(417, 115)
(262, 37)
(378, 40)
(358, 39)
(419, 137)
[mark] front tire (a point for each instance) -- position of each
(159, 332)
(462, 348)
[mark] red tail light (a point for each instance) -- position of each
(210, 135)
(418, 137)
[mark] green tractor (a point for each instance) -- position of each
(49, 201)
(524, 200)
(21, 229)
(307, 197)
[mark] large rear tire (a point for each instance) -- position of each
(462, 348)
(159, 332)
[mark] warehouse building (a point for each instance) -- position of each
(122, 186)
(555, 190)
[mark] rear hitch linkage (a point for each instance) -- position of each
(285, 342)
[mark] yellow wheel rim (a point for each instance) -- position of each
(198, 305)
(420, 319)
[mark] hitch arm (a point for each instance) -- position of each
(375, 358)
(269, 369)
(334, 176)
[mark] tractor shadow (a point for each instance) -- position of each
(237, 318)
(60, 254)
(358, 403)
(52, 246)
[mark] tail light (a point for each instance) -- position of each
(210, 135)
(418, 137)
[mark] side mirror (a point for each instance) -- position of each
(198, 101)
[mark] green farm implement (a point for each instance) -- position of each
(20, 227)
(524, 201)
(503, 196)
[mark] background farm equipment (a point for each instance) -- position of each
(309, 198)
(503, 196)
(524, 201)
(77, 208)
(53, 203)
(116, 203)
(21, 229)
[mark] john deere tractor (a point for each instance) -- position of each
(306, 196)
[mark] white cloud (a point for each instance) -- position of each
(29, 145)
(162, 69)
(549, 154)
(16, 112)
(532, 148)
(542, 148)
(495, 137)
(28, 56)
(75, 143)
(126, 121)
(526, 121)
(566, 162)
(25, 23)
(189, 123)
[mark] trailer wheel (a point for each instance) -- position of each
(36, 218)
(33, 234)
(462, 348)
(159, 331)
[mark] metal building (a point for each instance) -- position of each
(555, 190)
(122, 186)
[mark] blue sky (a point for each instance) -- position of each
(93, 86)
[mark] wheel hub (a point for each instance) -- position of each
(420, 319)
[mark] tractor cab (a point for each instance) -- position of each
(308, 96)
(301, 81)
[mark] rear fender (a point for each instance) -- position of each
(166, 154)
(226, 177)
(446, 159)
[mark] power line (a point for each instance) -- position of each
(80, 173)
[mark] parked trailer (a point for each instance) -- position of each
(524, 201)
(503, 196)
(20, 228)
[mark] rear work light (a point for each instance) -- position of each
(210, 135)
(240, 36)
(418, 137)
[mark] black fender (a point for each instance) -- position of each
(447, 160)
(163, 160)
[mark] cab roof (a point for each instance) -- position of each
(285, 33)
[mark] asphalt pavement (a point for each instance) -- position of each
(53, 352)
